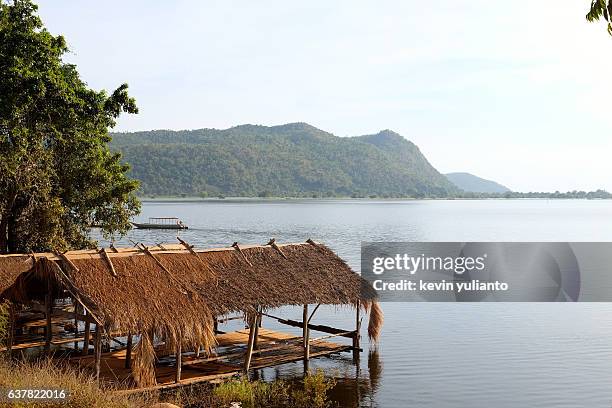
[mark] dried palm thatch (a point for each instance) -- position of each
(146, 297)
(300, 274)
(12, 266)
(376, 321)
(143, 365)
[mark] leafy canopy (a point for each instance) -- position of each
(57, 174)
(601, 9)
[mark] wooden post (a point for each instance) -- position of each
(306, 334)
(356, 335)
(128, 351)
(249, 352)
(11, 329)
(86, 335)
(98, 350)
(76, 324)
(179, 362)
(257, 325)
(48, 326)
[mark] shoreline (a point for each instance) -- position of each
(277, 199)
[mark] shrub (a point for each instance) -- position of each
(258, 394)
(314, 394)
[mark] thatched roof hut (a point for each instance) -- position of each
(176, 291)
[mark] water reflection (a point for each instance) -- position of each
(359, 389)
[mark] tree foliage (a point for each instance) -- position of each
(295, 160)
(601, 9)
(57, 174)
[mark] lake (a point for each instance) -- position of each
(434, 354)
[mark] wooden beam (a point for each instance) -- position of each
(108, 262)
(68, 261)
(48, 315)
(158, 262)
(98, 351)
(76, 323)
(313, 313)
(306, 334)
(11, 329)
(272, 243)
(257, 326)
(356, 335)
(237, 248)
(128, 351)
(316, 327)
(179, 362)
(74, 292)
(249, 352)
(86, 336)
(186, 245)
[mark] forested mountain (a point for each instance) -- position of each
(474, 184)
(288, 160)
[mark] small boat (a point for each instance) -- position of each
(161, 223)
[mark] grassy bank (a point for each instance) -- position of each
(83, 392)
(82, 388)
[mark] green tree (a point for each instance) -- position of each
(601, 9)
(57, 174)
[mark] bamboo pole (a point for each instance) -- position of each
(98, 350)
(257, 325)
(179, 362)
(128, 351)
(356, 335)
(48, 326)
(76, 324)
(86, 336)
(306, 334)
(11, 329)
(249, 352)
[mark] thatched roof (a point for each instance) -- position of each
(172, 288)
(12, 266)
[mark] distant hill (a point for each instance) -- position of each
(288, 160)
(473, 184)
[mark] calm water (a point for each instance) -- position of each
(436, 354)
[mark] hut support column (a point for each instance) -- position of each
(356, 335)
(306, 337)
(179, 362)
(128, 351)
(76, 324)
(98, 350)
(249, 352)
(11, 329)
(48, 326)
(86, 335)
(257, 325)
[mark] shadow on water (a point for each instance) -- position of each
(360, 391)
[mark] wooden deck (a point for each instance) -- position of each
(274, 348)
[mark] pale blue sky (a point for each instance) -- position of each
(516, 91)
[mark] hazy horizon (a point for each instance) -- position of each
(511, 92)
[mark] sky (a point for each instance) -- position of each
(513, 91)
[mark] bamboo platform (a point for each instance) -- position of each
(274, 348)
